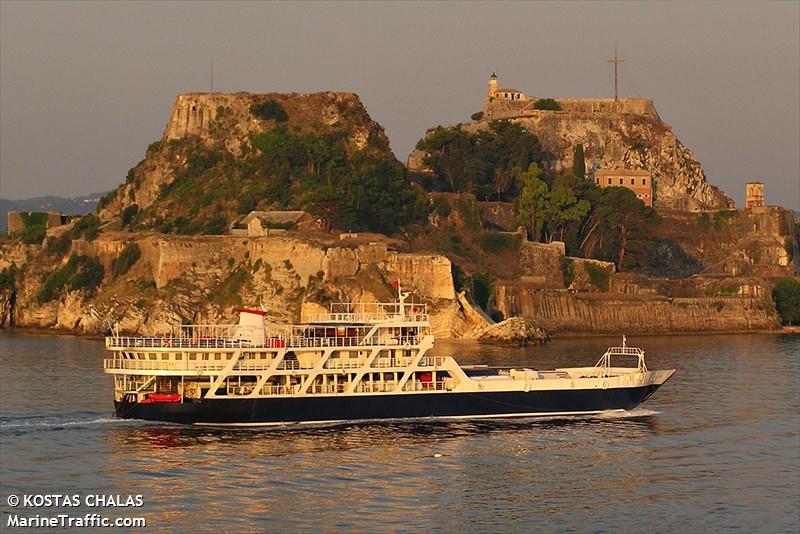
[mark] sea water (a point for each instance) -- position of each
(717, 448)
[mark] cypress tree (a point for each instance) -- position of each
(578, 162)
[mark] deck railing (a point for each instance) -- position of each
(163, 365)
(308, 338)
(371, 312)
(261, 364)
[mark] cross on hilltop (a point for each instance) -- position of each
(616, 61)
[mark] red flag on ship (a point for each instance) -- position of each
(395, 283)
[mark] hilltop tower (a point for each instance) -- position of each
(492, 85)
(753, 195)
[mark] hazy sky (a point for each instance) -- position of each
(84, 87)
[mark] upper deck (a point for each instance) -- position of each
(343, 325)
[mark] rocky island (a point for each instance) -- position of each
(544, 215)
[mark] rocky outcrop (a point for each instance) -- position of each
(616, 139)
(758, 241)
(225, 123)
(517, 331)
(202, 279)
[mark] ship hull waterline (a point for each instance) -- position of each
(350, 408)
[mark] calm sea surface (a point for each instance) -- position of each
(717, 448)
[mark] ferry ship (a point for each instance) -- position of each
(356, 362)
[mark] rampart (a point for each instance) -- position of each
(496, 108)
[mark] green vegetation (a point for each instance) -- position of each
(34, 227)
(724, 215)
(128, 214)
(80, 272)
(478, 115)
(728, 290)
(495, 243)
(578, 161)
(482, 163)
(7, 277)
(58, 246)
(532, 200)
(364, 191)
(706, 221)
(87, 227)
(106, 199)
(481, 289)
(786, 295)
(505, 162)
(229, 290)
(129, 255)
(268, 110)
(567, 270)
(547, 104)
(154, 147)
(598, 276)
(619, 227)
(562, 207)
(441, 206)
(467, 211)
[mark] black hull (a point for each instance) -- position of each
(286, 410)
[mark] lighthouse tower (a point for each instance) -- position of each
(492, 85)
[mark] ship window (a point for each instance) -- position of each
(165, 356)
(179, 356)
(152, 355)
(218, 356)
(192, 356)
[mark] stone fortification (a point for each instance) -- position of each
(560, 311)
(495, 109)
(757, 241)
(202, 278)
(625, 134)
(208, 115)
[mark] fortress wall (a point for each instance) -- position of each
(501, 108)
(562, 311)
(430, 274)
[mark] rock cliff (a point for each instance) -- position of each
(622, 137)
(202, 279)
(216, 131)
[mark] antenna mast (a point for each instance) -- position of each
(616, 61)
(212, 74)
